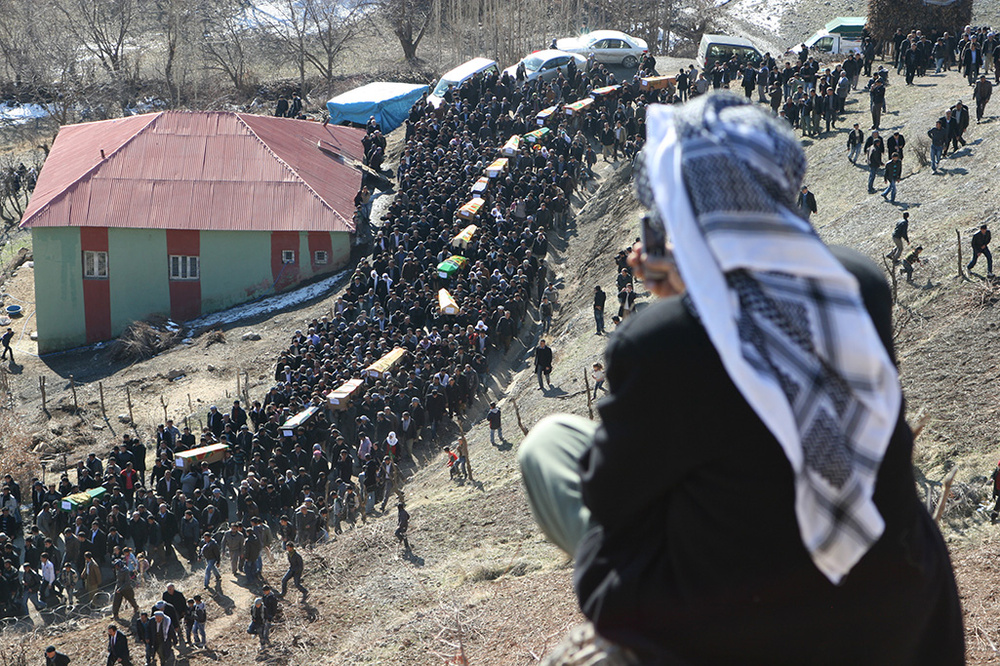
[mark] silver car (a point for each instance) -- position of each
(547, 64)
(607, 46)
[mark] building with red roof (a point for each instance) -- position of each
(183, 213)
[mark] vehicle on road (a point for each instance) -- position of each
(460, 74)
(607, 46)
(715, 48)
(546, 64)
(841, 35)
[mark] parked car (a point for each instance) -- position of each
(607, 46)
(547, 64)
(715, 48)
(458, 75)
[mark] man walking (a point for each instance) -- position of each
(939, 142)
(855, 141)
(117, 647)
(543, 364)
(899, 234)
(980, 246)
(982, 93)
(496, 426)
(807, 202)
(874, 148)
(295, 567)
(211, 553)
(402, 524)
(5, 341)
(599, 299)
(893, 172)
(124, 589)
(908, 262)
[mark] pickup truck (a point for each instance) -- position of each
(824, 42)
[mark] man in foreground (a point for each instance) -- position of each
(788, 531)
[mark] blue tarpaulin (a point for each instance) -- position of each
(390, 103)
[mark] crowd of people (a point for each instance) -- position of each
(272, 486)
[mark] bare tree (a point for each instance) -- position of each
(333, 25)
(409, 20)
(108, 31)
(226, 41)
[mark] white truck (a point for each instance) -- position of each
(839, 36)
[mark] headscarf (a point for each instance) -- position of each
(786, 318)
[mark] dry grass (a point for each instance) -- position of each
(144, 339)
(16, 457)
(212, 337)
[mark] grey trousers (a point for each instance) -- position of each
(550, 466)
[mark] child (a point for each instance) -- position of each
(909, 260)
(598, 375)
(452, 459)
(200, 618)
(189, 620)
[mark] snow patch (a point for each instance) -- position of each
(765, 14)
(18, 115)
(267, 305)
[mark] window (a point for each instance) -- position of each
(320, 257)
(183, 268)
(95, 265)
(825, 44)
(288, 256)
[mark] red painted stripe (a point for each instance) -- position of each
(96, 292)
(284, 275)
(185, 295)
(320, 241)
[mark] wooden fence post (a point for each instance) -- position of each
(590, 402)
(104, 412)
(164, 403)
(72, 386)
(41, 386)
(128, 399)
(517, 413)
(959, 234)
(945, 490)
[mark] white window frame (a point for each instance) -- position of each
(288, 256)
(92, 265)
(321, 257)
(184, 268)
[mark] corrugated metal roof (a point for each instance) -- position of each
(200, 170)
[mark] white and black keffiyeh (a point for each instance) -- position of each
(786, 317)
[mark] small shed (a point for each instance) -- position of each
(390, 103)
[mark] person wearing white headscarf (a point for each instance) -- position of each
(755, 421)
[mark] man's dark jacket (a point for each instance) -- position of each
(700, 561)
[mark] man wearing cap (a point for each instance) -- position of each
(161, 634)
(117, 647)
(232, 542)
(124, 588)
(91, 576)
(794, 346)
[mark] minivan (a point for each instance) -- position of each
(460, 74)
(714, 48)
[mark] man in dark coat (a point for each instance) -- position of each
(980, 246)
(543, 364)
(117, 647)
(982, 93)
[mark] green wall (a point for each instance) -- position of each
(235, 267)
(139, 278)
(341, 250)
(58, 288)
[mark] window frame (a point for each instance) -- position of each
(288, 257)
(185, 262)
(91, 263)
(316, 259)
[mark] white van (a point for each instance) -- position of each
(714, 48)
(461, 73)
